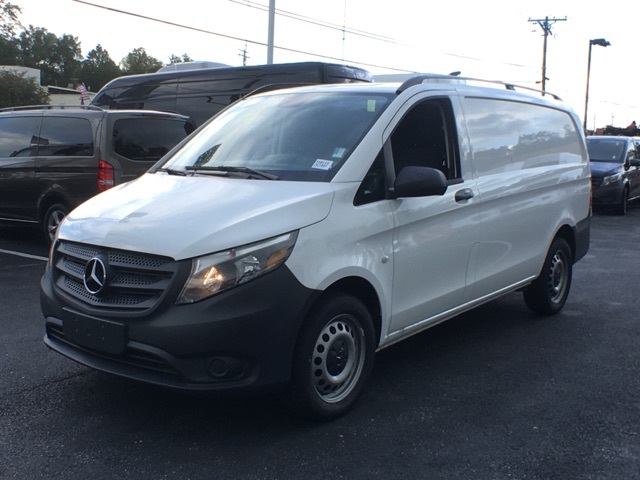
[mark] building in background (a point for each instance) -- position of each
(58, 95)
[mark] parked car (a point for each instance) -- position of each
(54, 158)
(615, 172)
(301, 230)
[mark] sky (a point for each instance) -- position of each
(492, 39)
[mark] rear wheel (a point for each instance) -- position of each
(333, 358)
(549, 292)
(52, 218)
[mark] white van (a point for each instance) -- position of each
(301, 230)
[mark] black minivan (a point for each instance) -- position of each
(202, 92)
(54, 158)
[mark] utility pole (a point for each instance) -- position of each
(271, 31)
(244, 54)
(545, 23)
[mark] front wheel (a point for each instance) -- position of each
(621, 209)
(333, 358)
(549, 292)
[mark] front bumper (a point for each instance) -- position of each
(241, 338)
(607, 196)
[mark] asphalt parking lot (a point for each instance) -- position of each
(496, 393)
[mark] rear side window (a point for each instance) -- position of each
(507, 136)
(146, 138)
(67, 137)
(18, 136)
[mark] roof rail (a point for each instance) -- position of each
(50, 107)
(418, 79)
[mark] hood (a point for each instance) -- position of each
(603, 169)
(182, 217)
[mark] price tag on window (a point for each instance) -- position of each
(322, 164)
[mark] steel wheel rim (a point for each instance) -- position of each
(338, 358)
(558, 278)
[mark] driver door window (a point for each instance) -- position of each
(421, 139)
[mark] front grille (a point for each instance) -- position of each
(135, 281)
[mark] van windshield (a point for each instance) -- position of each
(605, 150)
(301, 136)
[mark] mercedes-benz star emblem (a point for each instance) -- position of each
(95, 276)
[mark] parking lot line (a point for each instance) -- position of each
(24, 255)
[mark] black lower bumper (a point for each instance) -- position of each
(241, 338)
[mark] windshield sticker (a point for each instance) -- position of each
(371, 105)
(322, 164)
(339, 152)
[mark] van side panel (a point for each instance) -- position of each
(532, 174)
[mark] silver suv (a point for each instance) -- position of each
(54, 158)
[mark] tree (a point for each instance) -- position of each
(138, 61)
(9, 19)
(57, 58)
(9, 51)
(17, 90)
(67, 60)
(8, 24)
(173, 59)
(98, 68)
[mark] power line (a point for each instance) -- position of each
(321, 23)
(353, 31)
(292, 50)
(230, 37)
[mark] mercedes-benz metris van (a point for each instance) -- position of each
(301, 230)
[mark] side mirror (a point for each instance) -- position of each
(634, 162)
(419, 182)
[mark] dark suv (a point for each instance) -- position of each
(54, 158)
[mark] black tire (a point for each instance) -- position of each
(549, 292)
(621, 209)
(333, 358)
(51, 220)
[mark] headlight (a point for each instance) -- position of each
(220, 271)
(611, 179)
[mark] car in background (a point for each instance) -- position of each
(615, 172)
(202, 89)
(52, 158)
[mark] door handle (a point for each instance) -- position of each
(464, 194)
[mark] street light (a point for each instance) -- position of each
(603, 43)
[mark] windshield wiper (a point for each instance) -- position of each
(224, 169)
(172, 171)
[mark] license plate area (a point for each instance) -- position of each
(97, 334)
